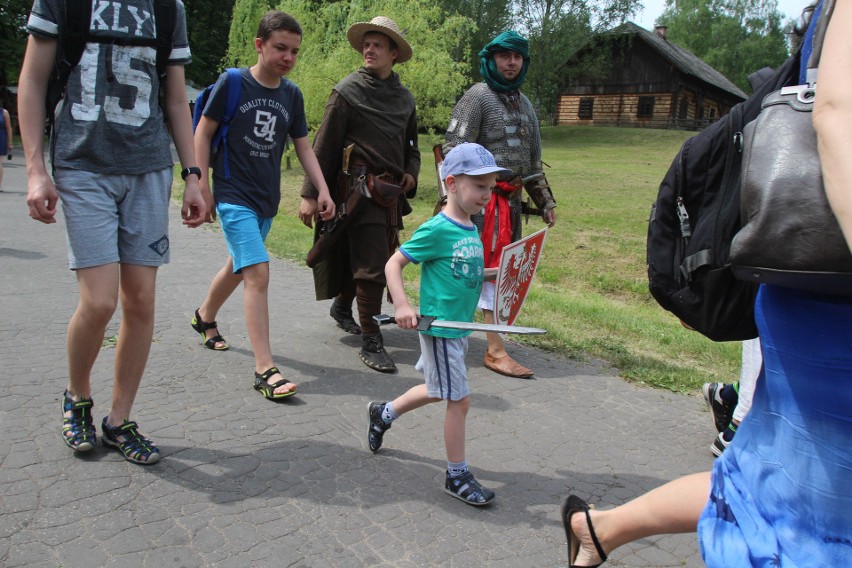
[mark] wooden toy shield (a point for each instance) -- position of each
(518, 262)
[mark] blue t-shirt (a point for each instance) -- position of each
(452, 270)
(256, 137)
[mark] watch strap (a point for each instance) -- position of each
(192, 170)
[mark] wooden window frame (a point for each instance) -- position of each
(587, 108)
(645, 107)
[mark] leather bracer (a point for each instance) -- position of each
(538, 188)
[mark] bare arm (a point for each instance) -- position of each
(405, 315)
(833, 115)
(204, 133)
(312, 168)
(8, 123)
(32, 90)
(195, 206)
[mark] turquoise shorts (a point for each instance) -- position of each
(245, 234)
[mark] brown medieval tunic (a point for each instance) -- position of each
(379, 117)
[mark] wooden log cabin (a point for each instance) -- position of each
(647, 82)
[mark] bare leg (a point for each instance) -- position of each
(454, 428)
(495, 343)
(134, 337)
(412, 399)
(496, 358)
(256, 308)
(672, 508)
(98, 288)
(221, 288)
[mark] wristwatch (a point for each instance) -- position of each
(193, 170)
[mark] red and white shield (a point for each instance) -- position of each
(518, 262)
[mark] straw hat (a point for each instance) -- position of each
(382, 25)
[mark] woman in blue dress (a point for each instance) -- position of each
(781, 494)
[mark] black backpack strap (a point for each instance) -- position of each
(164, 14)
(69, 50)
(78, 14)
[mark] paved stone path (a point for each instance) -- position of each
(248, 482)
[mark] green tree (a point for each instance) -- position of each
(736, 37)
(13, 40)
(208, 23)
(491, 17)
(244, 21)
(432, 75)
(558, 28)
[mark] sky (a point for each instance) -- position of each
(653, 8)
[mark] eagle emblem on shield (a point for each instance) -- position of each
(518, 262)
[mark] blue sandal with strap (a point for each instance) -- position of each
(78, 430)
(126, 439)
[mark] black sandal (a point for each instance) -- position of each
(201, 326)
(571, 505)
(268, 390)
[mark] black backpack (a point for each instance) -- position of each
(75, 34)
(697, 214)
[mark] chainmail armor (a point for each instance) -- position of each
(488, 118)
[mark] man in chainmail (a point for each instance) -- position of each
(371, 114)
(497, 115)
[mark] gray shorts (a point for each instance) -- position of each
(442, 362)
(115, 218)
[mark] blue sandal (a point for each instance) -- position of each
(134, 446)
(78, 430)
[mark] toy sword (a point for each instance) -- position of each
(427, 322)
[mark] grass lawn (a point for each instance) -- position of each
(591, 291)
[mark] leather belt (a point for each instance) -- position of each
(359, 166)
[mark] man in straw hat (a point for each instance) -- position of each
(498, 116)
(368, 133)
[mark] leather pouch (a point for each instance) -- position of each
(382, 192)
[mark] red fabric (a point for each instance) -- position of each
(497, 211)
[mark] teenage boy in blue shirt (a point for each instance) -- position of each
(452, 270)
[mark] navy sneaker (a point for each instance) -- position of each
(721, 443)
(721, 411)
(377, 428)
(468, 489)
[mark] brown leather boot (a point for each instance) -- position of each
(373, 354)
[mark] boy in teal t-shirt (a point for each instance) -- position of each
(451, 254)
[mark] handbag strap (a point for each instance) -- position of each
(826, 10)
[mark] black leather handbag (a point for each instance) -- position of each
(790, 237)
